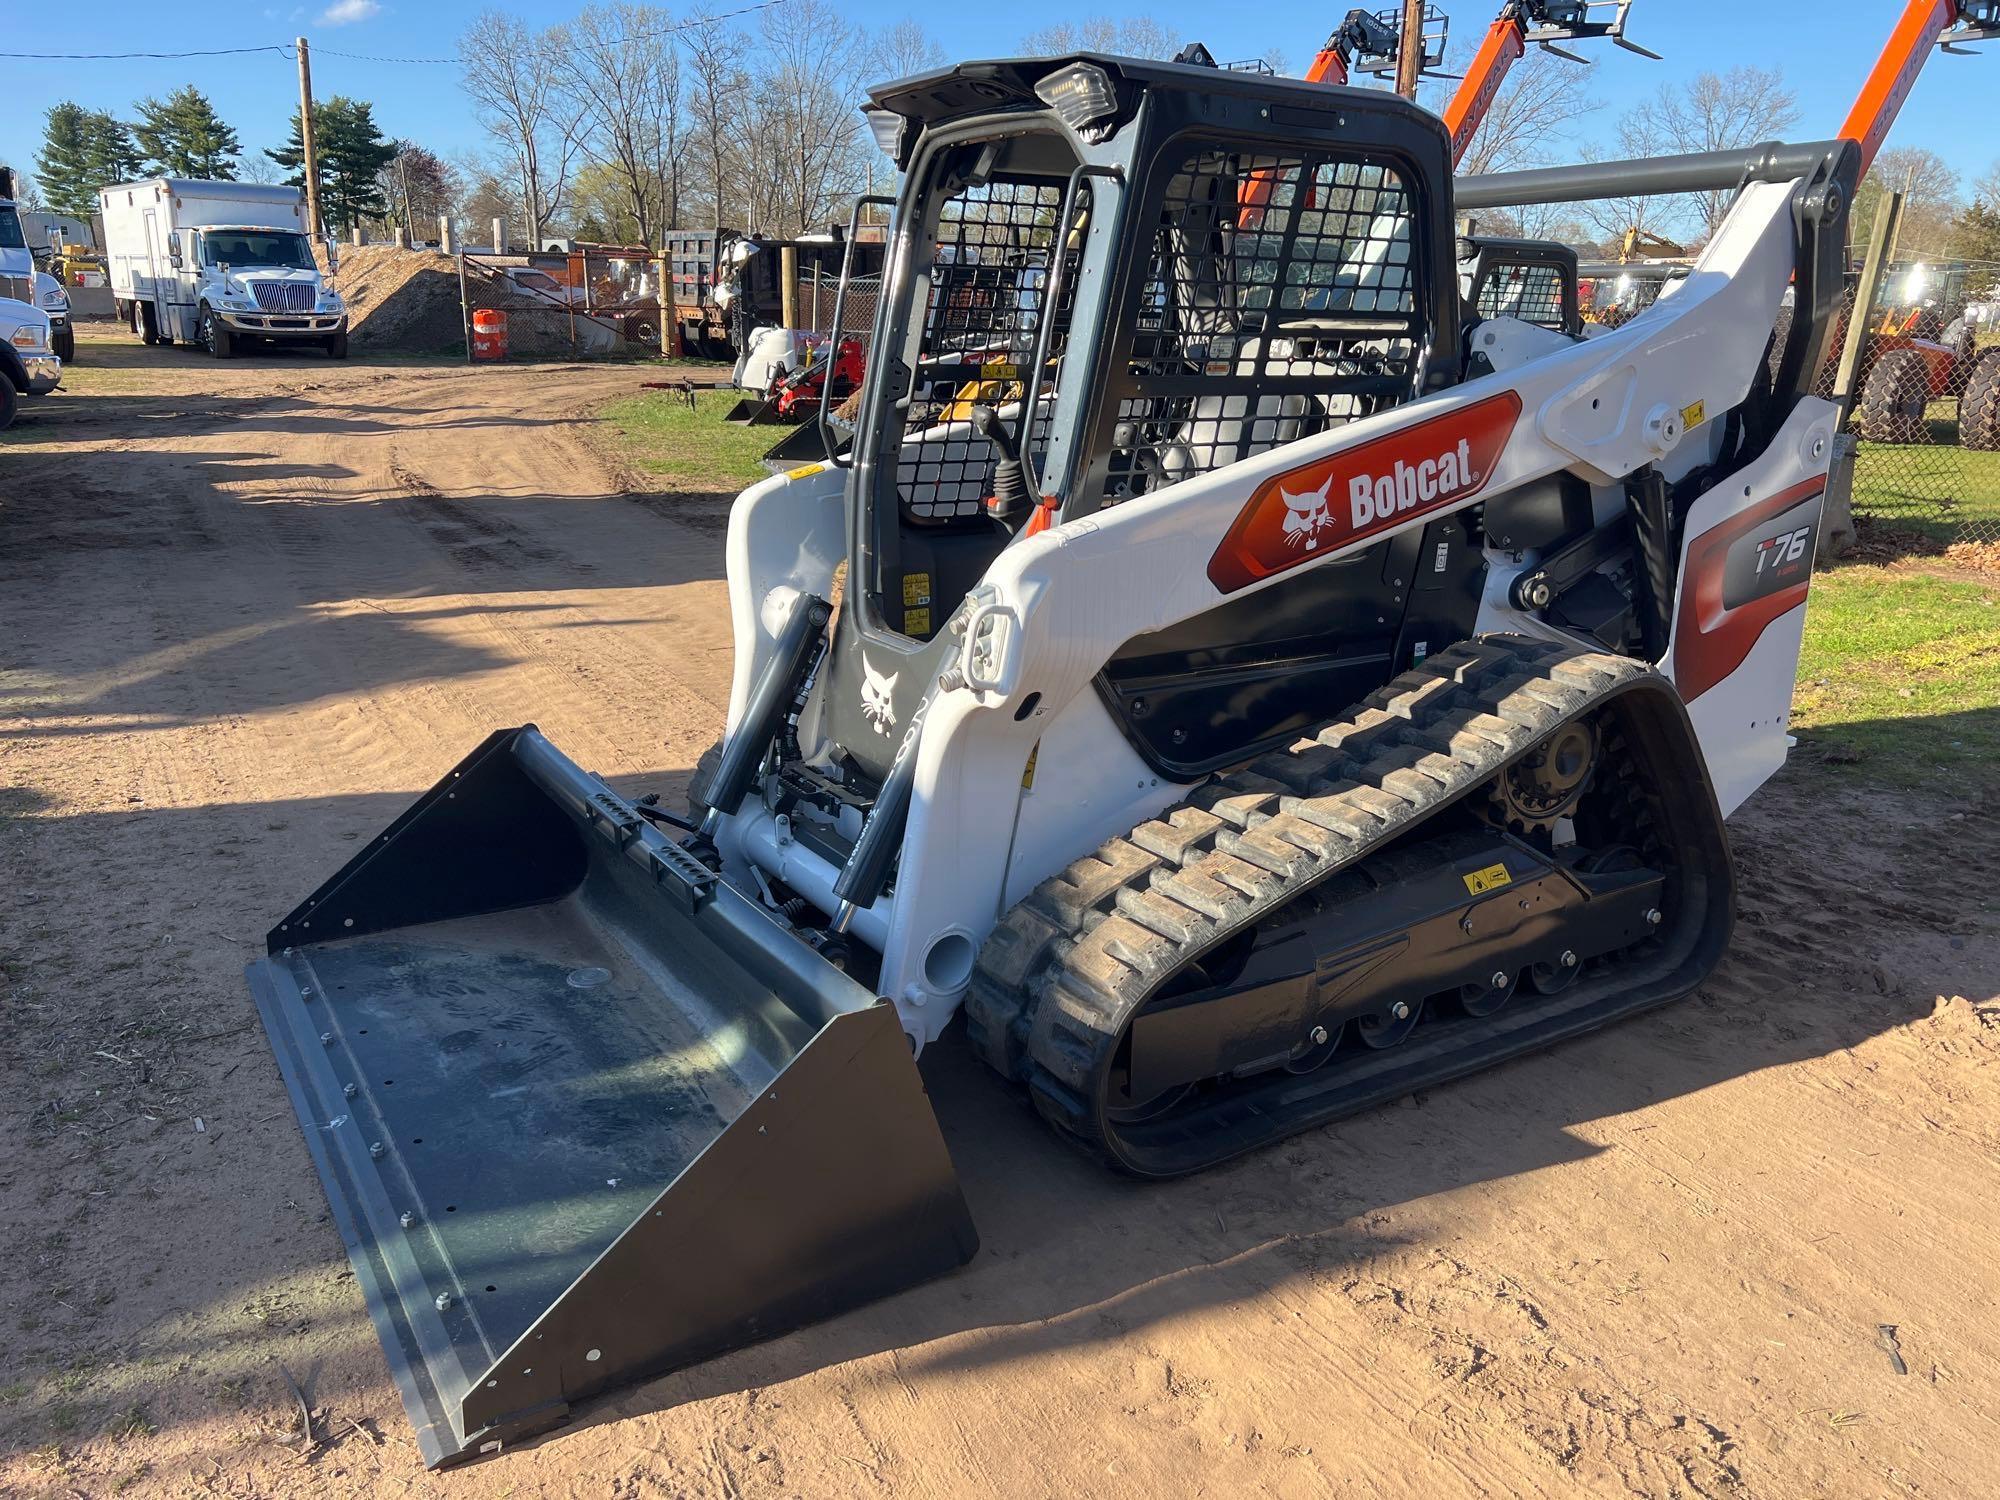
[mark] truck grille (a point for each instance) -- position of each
(285, 296)
(20, 288)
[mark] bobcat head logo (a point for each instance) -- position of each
(877, 700)
(1307, 515)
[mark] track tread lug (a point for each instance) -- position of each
(1065, 970)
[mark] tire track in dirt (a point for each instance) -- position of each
(1652, 1262)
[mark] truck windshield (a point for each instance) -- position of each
(11, 237)
(242, 248)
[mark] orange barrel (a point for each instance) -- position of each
(489, 334)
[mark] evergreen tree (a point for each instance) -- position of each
(352, 153)
(184, 137)
(83, 150)
(1976, 234)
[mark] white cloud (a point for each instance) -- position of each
(342, 12)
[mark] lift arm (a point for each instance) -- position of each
(1372, 43)
(1369, 37)
(1949, 24)
(1547, 24)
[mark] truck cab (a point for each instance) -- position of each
(215, 264)
(29, 365)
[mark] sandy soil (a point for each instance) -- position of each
(248, 611)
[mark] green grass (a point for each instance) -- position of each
(1899, 677)
(691, 451)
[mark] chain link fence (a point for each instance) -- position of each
(584, 304)
(817, 293)
(1925, 409)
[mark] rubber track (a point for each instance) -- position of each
(1063, 974)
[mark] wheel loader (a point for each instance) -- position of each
(1291, 689)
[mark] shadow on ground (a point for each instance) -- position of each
(1070, 1255)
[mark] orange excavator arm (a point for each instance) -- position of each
(1506, 40)
(1944, 23)
(1546, 23)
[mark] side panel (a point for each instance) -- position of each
(1739, 611)
(786, 536)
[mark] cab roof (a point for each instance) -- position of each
(994, 85)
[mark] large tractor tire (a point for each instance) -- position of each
(1895, 397)
(1979, 407)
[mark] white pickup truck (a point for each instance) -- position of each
(28, 363)
(216, 264)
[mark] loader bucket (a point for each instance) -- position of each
(753, 411)
(582, 1111)
(804, 444)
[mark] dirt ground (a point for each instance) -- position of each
(1740, 1247)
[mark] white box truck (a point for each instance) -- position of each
(216, 264)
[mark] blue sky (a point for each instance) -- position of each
(1824, 49)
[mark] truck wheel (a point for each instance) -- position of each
(1893, 401)
(336, 345)
(213, 335)
(64, 344)
(147, 328)
(1979, 407)
(9, 403)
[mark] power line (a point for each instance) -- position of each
(285, 49)
(370, 57)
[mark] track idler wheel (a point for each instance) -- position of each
(1485, 999)
(1313, 1056)
(1391, 1028)
(1553, 979)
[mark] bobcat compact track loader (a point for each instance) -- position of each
(1244, 680)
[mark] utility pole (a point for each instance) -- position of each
(310, 149)
(1410, 54)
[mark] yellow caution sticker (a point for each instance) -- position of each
(805, 472)
(1479, 882)
(916, 589)
(999, 371)
(1692, 416)
(1028, 776)
(916, 622)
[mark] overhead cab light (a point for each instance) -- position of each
(1080, 94)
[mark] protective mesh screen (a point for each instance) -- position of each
(1532, 293)
(1281, 302)
(982, 318)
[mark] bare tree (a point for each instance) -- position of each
(510, 73)
(904, 49)
(718, 86)
(1613, 218)
(622, 79)
(1537, 108)
(1133, 36)
(805, 132)
(1930, 198)
(1986, 186)
(1711, 112)
(418, 185)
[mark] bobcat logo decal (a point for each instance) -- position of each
(877, 701)
(1307, 515)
